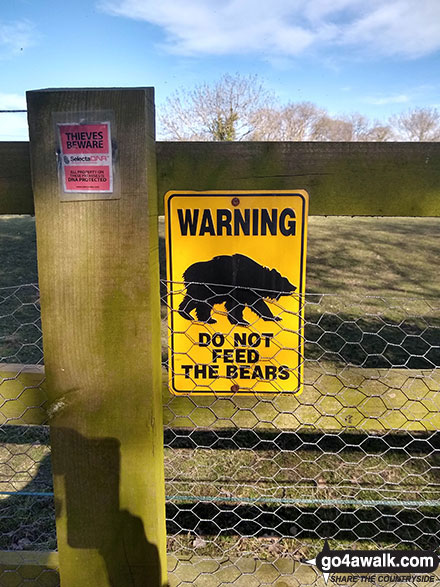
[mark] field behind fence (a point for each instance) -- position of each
(254, 485)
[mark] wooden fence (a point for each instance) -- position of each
(344, 179)
(369, 400)
(374, 179)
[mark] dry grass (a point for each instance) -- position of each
(357, 256)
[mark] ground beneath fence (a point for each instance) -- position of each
(255, 485)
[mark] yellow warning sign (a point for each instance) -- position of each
(236, 266)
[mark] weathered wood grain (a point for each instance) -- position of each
(27, 568)
(390, 179)
(23, 568)
(373, 179)
(100, 309)
(23, 396)
(367, 400)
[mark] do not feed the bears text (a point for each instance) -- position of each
(240, 361)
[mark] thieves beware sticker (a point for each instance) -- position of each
(236, 278)
(86, 157)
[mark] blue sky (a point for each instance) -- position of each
(376, 57)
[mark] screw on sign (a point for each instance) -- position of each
(236, 275)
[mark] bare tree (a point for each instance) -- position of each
(358, 126)
(294, 122)
(418, 124)
(327, 128)
(351, 128)
(362, 129)
(267, 125)
(224, 111)
(379, 133)
(237, 108)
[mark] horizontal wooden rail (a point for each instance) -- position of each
(356, 399)
(373, 179)
(37, 569)
(23, 398)
(29, 568)
(41, 569)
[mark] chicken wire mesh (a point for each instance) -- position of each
(27, 517)
(255, 484)
(25, 512)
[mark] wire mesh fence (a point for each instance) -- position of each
(27, 516)
(26, 502)
(255, 483)
(20, 325)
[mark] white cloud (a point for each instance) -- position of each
(13, 126)
(12, 101)
(384, 100)
(219, 28)
(408, 28)
(15, 37)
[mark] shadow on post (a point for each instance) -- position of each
(93, 516)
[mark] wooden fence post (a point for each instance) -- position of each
(99, 283)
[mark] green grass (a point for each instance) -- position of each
(247, 492)
(374, 270)
(311, 474)
(392, 259)
(382, 291)
(373, 256)
(18, 251)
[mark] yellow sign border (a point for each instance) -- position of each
(296, 192)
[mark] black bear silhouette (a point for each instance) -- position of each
(237, 280)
